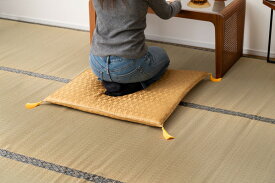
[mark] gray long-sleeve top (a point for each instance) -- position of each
(120, 28)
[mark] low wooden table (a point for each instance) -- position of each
(228, 17)
(272, 6)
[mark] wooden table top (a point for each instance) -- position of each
(269, 4)
(213, 6)
(205, 13)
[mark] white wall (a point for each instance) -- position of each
(74, 14)
(67, 13)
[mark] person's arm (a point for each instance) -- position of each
(165, 10)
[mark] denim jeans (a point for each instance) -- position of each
(145, 70)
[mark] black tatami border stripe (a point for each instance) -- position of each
(228, 112)
(34, 74)
(56, 168)
(185, 104)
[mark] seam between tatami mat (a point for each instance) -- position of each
(34, 74)
(56, 168)
(185, 104)
(228, 112)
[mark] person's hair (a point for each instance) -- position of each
(111, 2)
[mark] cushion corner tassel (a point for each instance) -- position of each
(33, 105)
(214, 79)
(166, 135)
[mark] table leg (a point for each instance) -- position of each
(229, 28)
(269, 41)
(219, 39)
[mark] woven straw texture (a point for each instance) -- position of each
(151, 106)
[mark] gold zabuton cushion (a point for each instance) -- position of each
(151, 106)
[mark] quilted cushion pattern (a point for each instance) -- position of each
(151, 106)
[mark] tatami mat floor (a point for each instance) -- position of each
(224, 131)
